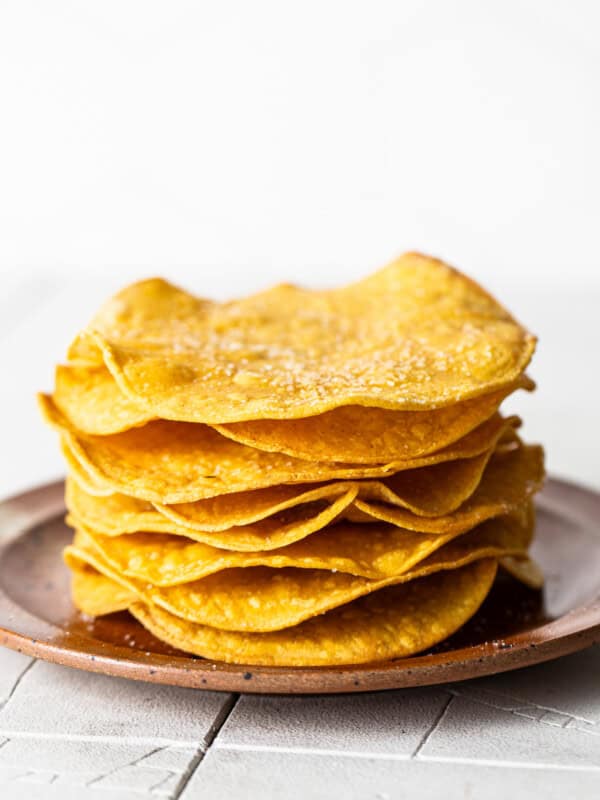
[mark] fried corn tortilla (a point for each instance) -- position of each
(274, 516)
(269, 533)
(115, 514)
(93, 596)
(432, 490)
(89, 398)
(508, 482)
(355, 434)
(376, 551)
(91, 402)
(177, 462)
(394, 622)
(259, 599)
(415, 335)
(245, 509)
(524, 569)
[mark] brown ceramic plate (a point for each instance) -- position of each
(515, 626)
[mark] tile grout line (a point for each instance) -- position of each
(217, 725)
(488, 762)
(401, 757)
(16, 683)
(134, 763)
(434, 726)
(313, 751)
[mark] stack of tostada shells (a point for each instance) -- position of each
(298, 477)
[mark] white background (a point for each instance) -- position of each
(227, 145)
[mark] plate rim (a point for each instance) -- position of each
(573, 631)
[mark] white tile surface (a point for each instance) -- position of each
(16, 785)
(479, 732)
(92, 765)
(90, 759)
(568, 686)
(240, 775)
(544, 715)
(63, 701)
(388, 722)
